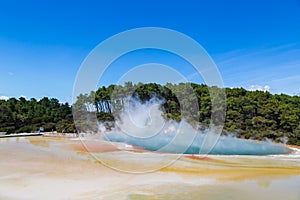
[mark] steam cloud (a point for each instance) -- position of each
(141, 124)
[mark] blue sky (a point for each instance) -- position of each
(255, 44)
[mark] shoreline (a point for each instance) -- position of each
(293, 146)
(44, 134)
(295, 150)
(59, 134)
(21, 135)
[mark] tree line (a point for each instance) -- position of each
(21, 115)
(250, 114)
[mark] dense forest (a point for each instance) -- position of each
(249, 114)
(21, 115)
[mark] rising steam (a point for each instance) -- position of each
(141, 124)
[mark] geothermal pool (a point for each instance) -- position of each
(224, 145)
(61, 168)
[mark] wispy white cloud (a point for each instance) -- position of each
(287, 78)
(4, 97)
(10, 73)
(245, 54)
(277, 67)
(265, 88)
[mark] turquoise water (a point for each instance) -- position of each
(223, 146)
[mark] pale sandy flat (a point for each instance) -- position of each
(58, 168)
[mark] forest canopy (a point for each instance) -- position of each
(249, 114)
(21, 115)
